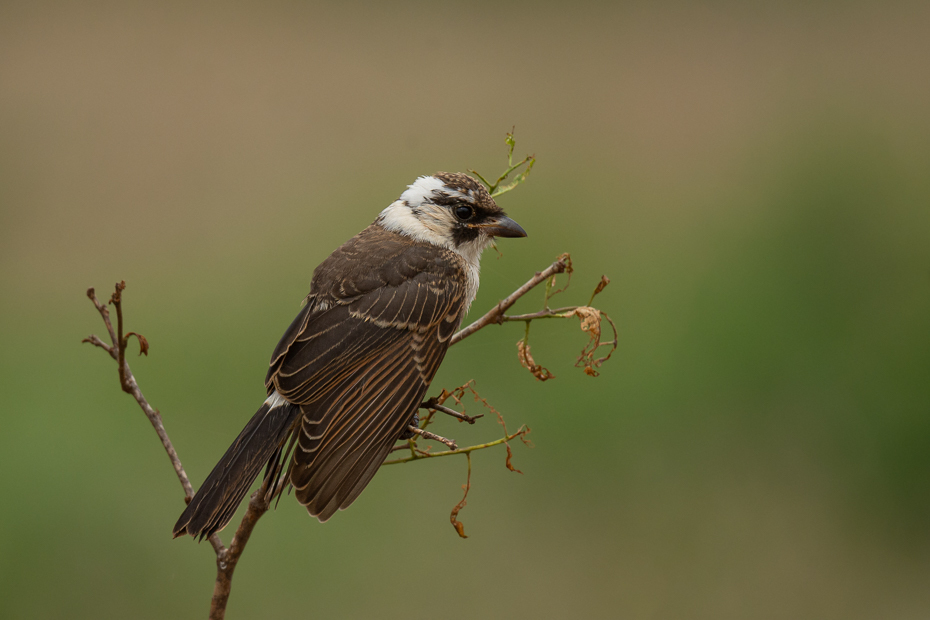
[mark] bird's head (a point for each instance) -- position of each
(452, 210)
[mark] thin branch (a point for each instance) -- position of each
(129, 385)
(495, 188)
(548, 313)
(521, 432)
(105, 313)
(97, 342)
(435, 406)
(406, 446)
(228, 559)
(428, 435)
(128, 381)
(496, 314)
(529, 160)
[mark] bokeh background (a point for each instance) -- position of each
(754, 178)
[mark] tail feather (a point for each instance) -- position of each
(259, 443)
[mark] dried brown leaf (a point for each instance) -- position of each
(509, 457)
(143, 343)
(458, 525)
(527, 361)
(591, 322)
(600, 286)
(590, 319)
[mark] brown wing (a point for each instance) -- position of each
(360, 357)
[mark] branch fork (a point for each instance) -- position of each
(227, 558)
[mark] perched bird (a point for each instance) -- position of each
(350, 372)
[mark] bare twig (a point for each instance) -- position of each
(105, 313)
(227, 559)
(406, 446)
(496, 314)
(128, 381)
(436, 406)
(129, 385)
(548, 313)
(97, 342)
(428, 435)
(521, 432)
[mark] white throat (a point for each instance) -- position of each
(432, 224)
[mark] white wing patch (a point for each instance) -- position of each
(275, 400)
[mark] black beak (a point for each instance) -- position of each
(503, 226)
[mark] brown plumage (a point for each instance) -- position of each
(350, 372)
(359, 358)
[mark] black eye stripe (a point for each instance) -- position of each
(464, 210)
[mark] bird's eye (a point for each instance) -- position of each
(464, 212)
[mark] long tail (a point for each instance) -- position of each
(260, 442)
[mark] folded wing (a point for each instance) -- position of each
(359, 359)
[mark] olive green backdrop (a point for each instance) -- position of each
(753, 178)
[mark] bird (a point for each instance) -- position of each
(350, 372)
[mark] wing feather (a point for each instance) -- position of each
(360, 356)
(344, 468)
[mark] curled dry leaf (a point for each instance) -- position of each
(143, 343)
(509, 459)
(591, 324)
(591, 319)
(527, 361)
(600, 286)
(458, 525)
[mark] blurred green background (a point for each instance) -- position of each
(754, 178)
